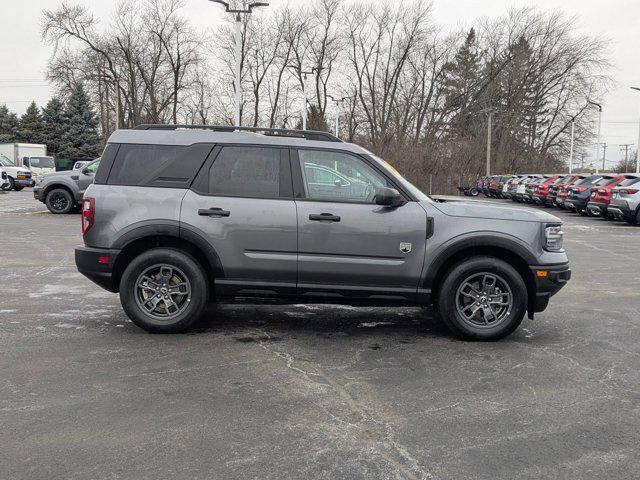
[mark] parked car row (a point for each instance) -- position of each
(607, 195)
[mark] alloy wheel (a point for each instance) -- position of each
(163, 291)
(484, 300)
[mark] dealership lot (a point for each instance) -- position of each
(313, 391)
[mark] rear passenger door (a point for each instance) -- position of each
(242, 204)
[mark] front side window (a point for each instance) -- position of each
(246, 172)
(339, 177)
(5, 162)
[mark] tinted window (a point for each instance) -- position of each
(42, 162)
(628, 182)
(107, 158)
(246, 172)
(138, 164)
(338, 176)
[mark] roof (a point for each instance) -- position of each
(191, 136)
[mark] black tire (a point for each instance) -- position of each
(59, 201)
(191, 308)
(449, 295)
(11, 185)
(17, 189)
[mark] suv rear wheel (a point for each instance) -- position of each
(164, 290)
(482, 298)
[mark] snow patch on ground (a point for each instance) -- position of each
(374, 324)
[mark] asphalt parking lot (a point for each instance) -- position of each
(329, 392)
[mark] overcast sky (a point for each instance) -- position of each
(23, 56)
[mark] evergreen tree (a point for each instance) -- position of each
(8, 125)
(31, 128)
(80, 138)
(315, 120)
(54, 122)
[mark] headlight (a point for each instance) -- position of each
(553, 238)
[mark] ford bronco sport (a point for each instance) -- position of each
(180, 216)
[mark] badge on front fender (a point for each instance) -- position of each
(405, 247)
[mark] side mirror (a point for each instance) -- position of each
(85, 171)
(25, 161)
(389, 197)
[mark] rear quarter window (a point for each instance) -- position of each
(169, 166)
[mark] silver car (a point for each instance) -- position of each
(625, 199)
(181, 216)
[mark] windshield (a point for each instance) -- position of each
(42, 162)
(565, 180)
(93, 166)
(415, 191)
(5, 162)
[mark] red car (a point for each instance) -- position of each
(561, 188)
(601, 195)
(540, 191)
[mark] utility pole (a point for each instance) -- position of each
(237, 7)
(582, 157)
(599, 129)
(604, 155)
(625, 147)
(638, 149)
(489, 120)
(573, 130)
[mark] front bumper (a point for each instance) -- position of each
(24, 182)
(39, 194)
(97, 265)
(549, 279)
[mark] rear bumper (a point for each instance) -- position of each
(621, 210)
(548, 280)
(97, 265)
(598, 207)
(576, 203)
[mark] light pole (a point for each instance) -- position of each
(303, 75)
(599, 126)
(237, 7)
(337, 102)
(637, 149)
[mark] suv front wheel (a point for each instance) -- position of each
(164, 290)
(482, 298)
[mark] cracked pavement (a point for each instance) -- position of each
(308, 391)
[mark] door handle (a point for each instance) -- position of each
(324, 217)
(213, 212)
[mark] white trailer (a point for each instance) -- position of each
(32, 156)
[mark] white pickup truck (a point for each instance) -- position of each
(18, 177)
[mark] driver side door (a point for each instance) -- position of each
(349, 247)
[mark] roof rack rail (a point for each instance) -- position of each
(275, 132)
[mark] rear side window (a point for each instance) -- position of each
(605, 181)
(136, 164)
(627, 182)
(106, 161)
(249, 172)
(170, 166)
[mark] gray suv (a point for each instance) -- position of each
(180, 216)
(62, 192)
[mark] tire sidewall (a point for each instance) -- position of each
(461, 271)
(195, 274)
(50, 196)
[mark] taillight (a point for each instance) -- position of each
(602, 190)
(579, 189)
(629, 191)
(88, 214)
